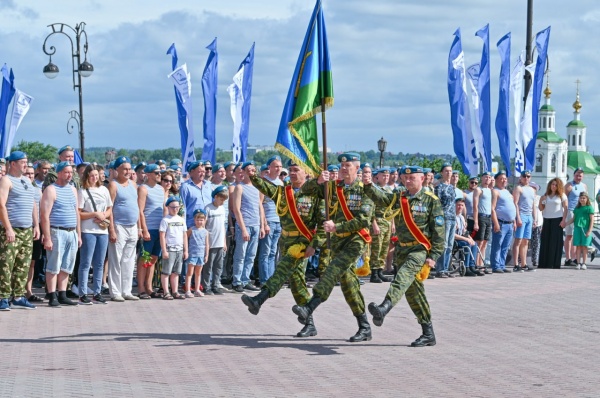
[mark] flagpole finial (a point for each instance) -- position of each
(577, 105)
(547, 91)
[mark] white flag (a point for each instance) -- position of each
(516, 93)
(21, 104)
(183, 83)
(470, 149)
(237, 101)
(473, 74)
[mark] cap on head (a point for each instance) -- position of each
(473, 178)
(246, 164)
(151, 168)
(190, 166)
(526, 173)
(121, 160)
(17, 155)
(263, 168)
(160, 162)
(172, 199)
(427, 170)
(578, 169)
(207, 164)
(333, 167)
(291, 163)
(218, 166)
(237, 166)
(140, 166)
(228, 163)
(412, 170)
(61, 166)
(174, 161)
(349, 157)
(486, 173)
(500, 173)
(65, 148)
(366, 164)
(446, 164)
(199, 212)
(272, 159)
(217, 190)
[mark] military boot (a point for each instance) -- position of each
(254, 303)
(383, 277)
(375, 277)
(364, 329)
(427, 338)
(380, 311)
(305, 311)
(309, 329)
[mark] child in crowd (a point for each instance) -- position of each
(174, 247)
(198, 249)
(583, 222)
(216, 219)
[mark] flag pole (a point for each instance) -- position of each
(326, 186)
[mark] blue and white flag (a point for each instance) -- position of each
(240, 93)
(541, 44)
(20, 108)
(483, 89)
(526, 129)
(503, 115)
(464, 143)
(181, 113)
(209, 91)
(8, 92)
(182, 81)
(473, 78)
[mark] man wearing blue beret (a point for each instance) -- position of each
(65, 154)
(381, 230)
(19, 227)
(420, 228)
(446, 193)
(351, 214)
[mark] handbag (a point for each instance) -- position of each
(104, 223)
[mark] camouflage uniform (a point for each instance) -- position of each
(380, 243)
(410, 255)
(15, 258)
(291, 265)
(324, 251)
(346, 244)
(51, 178)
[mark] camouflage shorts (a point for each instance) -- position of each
(15, 259)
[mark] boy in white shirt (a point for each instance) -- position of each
(216, 218)
(174, 247)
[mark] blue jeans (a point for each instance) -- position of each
(444, 261)
(469, 260)
(500, 245)
(267, 249)
(93, 253)
(244, 254)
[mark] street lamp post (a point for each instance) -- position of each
(80, 69)
(381, 145)
(109, 156)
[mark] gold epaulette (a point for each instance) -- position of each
(432, 195)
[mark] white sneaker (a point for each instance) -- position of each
(583, 266)
(578, 266)
(130, 297)
(118, 299)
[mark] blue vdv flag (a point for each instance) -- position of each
(8, 92)
(209, 91)
(181, 113)
(541, 44)
(77, 158)
(464, 144)
(502, 117)
(483, 89)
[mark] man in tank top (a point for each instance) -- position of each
(18, 229)
(504, 214)
(523, 196)
(482, 216)
(61, 231)
(123, 232)
(572, 190)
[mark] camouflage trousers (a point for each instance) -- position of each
(324, 257)
(380, 244)
(410, 262)
(344, 255)
(15, 259)
(290, 268)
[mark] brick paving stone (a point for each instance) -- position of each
(527, 334)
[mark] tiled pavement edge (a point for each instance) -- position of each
(532, 334)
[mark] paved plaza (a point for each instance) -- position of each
(531, 334)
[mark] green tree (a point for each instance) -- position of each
(35, 150)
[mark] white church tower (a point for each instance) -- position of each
(550, 148)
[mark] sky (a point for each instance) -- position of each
(389, 61)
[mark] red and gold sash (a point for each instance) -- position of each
(364, 233)
(291, 200)
(410, 223)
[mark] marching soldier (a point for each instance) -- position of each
(299, 214)
(350, 213)
(420, 227)
(381, 229)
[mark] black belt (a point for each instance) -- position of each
(63, 228)
(485, 215)
(505, 222)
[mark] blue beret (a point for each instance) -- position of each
(375, 172)
(446, 164)
(473, 178)
(291, 163)
(150, 168)
(228, 163)
(61, 166)
(366, 164)
(246, 164)
(193, 165)
(218, 166)
(437, 176)
(412, 170)
(65, 148)
(140, 165)
(454, 171)
(498, 174)
(174, 167)
(238, 165)
(218, 189)
(121, 160)
(578, 169)
(174, 161)
(272, 159)
(401, 169)
(17, 155)
(160, 161)
(263, 167)
(486, 173)
(333, 167)
(348, 156)
(426, 170)
(207, 164)
(199, 211)
(172, 199)
(384, 170)
(526, 173)
(111, 165)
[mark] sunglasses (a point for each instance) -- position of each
(174, 207)
(167, 181)
(25, 185)
(157, 173)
